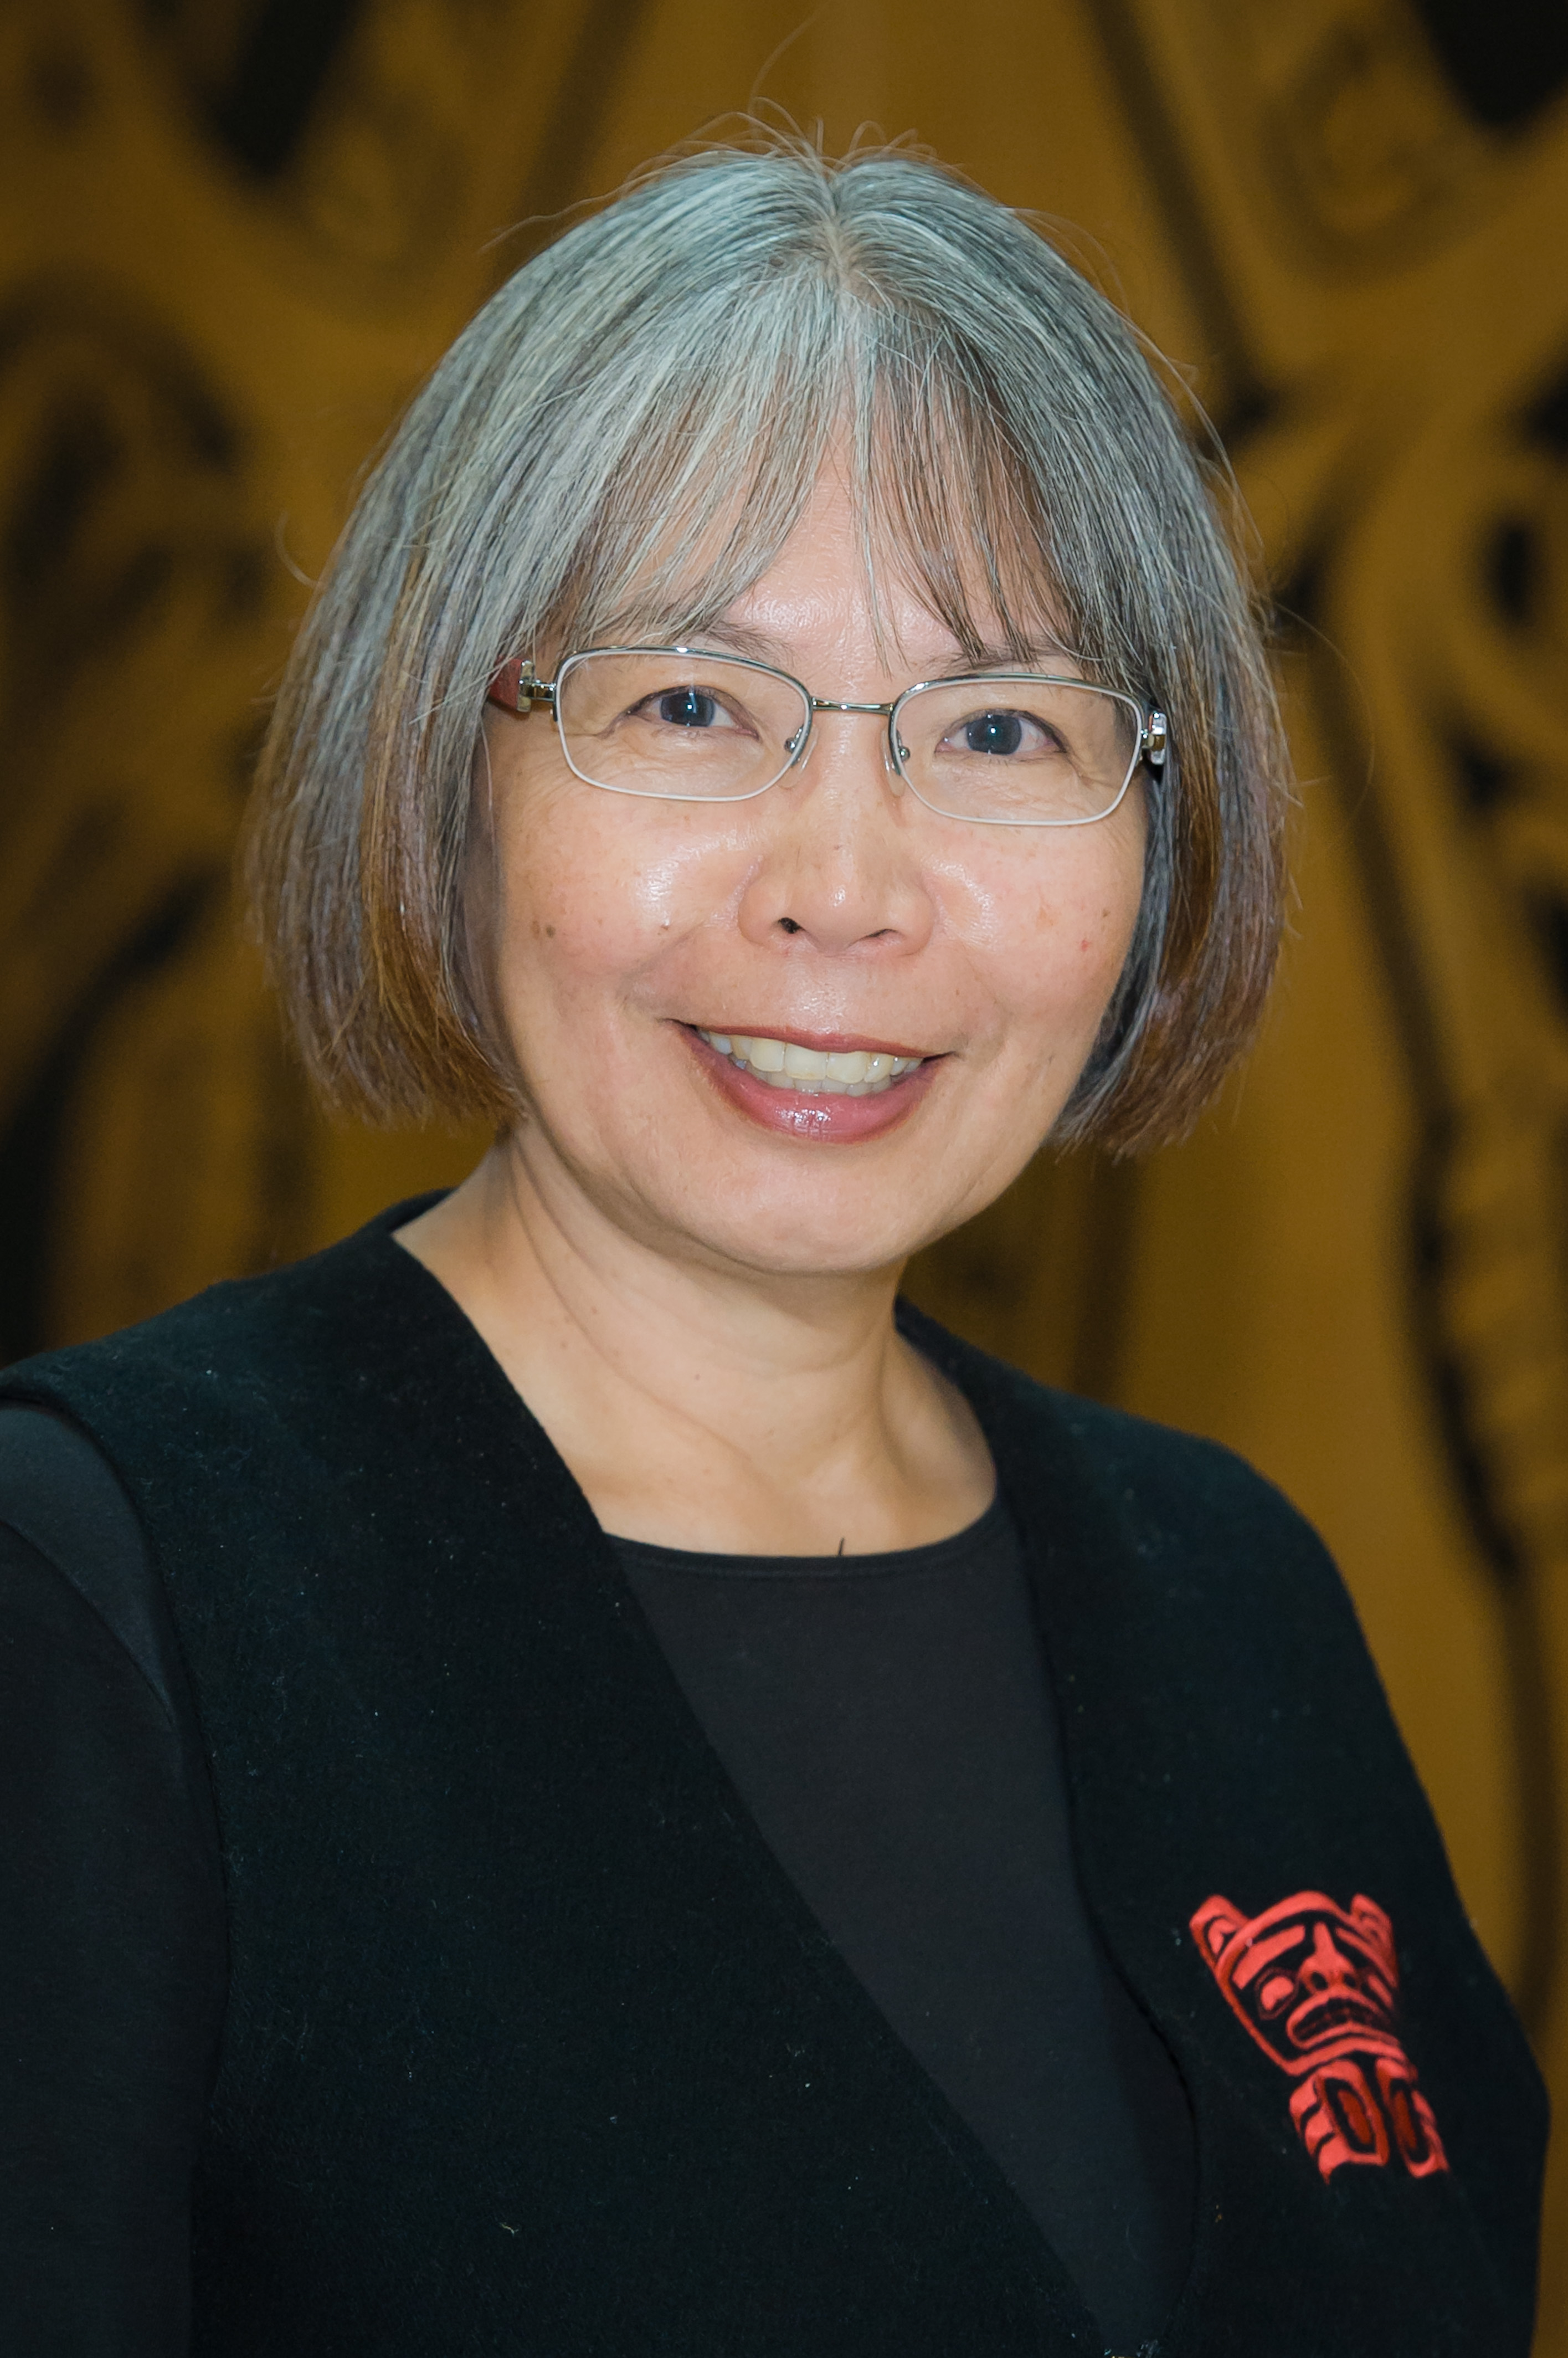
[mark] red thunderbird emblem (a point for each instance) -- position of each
(1317, 1987)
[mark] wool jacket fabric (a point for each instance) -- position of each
(531, 2046)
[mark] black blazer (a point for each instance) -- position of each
(530, 2045)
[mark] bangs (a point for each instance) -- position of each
(948, 505)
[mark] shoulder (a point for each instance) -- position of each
(264, 1428)
(1162, 1476)
(1175, 1496)
(1197, 1517)
(251, 1346)
(295, 1442)
(1177, 1580)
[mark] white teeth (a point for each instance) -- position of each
(813, 1071)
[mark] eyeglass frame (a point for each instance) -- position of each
(535, 695)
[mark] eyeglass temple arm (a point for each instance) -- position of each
(516, 689)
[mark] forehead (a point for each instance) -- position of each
(846, 577)
(824, 595)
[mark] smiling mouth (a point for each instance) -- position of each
(812, 1072)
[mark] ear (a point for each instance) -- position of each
(506, 689)
(1217, 1921)
(1377, 1931)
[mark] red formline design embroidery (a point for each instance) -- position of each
(1317, 1987)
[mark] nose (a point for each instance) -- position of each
(1328, 1967)
(841, 870)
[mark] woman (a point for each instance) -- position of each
(584, 1781)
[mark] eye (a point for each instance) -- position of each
(1274, 1991)
(1005, 733)
(687, 707)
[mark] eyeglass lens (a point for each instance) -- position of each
(703, 729)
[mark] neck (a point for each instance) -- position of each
(701, 1405)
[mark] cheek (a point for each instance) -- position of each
(591, 897)
(1049, 932)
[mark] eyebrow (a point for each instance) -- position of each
(741, 639)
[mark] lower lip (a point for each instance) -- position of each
(831, 1120)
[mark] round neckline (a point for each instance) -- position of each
(932, 1555)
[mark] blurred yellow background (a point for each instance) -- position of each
(235, 235)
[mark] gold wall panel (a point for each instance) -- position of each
(235, 233)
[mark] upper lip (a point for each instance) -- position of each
(828, 1044)
(1319, 2014)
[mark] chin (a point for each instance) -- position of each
(808, 1256)
(805, 1230)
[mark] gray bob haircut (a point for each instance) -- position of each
(621, 442)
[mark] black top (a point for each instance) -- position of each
(530, 2047)
(888, 1724)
